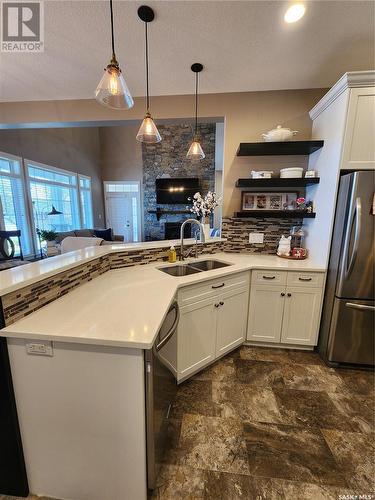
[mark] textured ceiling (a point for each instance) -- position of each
(245, 46)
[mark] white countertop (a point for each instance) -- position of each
(126, 307)
(18, 277)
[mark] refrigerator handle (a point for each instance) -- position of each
(361, 307)
(357, 214)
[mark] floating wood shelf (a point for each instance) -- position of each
(279, 148)
(274, 214)
(277, 182)
(160, 213)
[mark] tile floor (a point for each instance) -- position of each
(270, 424)
(264, 424)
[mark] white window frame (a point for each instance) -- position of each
(28, 217)
(28, 179)
(87, 177)
(139, 201)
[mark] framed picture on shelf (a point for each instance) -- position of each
(268, 201)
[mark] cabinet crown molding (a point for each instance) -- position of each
(352, 79)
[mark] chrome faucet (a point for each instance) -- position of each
(201, 234)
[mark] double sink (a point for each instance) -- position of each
(193, 267)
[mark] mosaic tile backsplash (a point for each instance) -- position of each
(24, 301)
(236, 231)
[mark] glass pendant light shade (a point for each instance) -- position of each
(148, 131)
(112, 90)
(195, 151)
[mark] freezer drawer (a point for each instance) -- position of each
(352, 332)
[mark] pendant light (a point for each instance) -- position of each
(112, 90)
(54, 211)
(148, 131)
(195, 151)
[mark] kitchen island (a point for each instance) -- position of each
(81, 398)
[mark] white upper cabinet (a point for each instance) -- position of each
(359, 141)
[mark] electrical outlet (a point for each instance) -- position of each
(40, 348)
(256, 237)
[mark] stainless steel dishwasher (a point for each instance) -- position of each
(161, 388)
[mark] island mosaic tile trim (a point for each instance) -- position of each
(236, 231)
(22, 302)
(126, 259)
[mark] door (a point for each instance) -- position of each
(232, 320)
(123, 209)
(301, 315)
(352, 332)
(196, 337)
(356, 276)
(266, 312)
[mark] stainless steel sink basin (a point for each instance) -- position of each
(193, 267)
(208, 265)
(179, 270)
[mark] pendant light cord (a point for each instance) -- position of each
(196, 103)
(112, 30)
(147, 86)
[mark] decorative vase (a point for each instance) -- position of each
(206, 227)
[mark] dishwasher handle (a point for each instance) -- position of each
(167, 337)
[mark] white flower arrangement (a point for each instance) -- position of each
(203, 206)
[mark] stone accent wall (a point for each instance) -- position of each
(22, 302)
(169, 158)
(236, 231)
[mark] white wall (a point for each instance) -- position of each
(329, 126)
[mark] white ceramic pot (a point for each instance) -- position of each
(279, 134)
(290, 173)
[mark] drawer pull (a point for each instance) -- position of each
(269, 277)
(289, 294)
(282, 294)
(305, 279)
(217, 305)
(218, 286)
(221, 303)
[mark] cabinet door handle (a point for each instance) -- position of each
(221, 303)
(217, 305)
(269, 277)
(282, 294)
(289, 294)
(305, 279)
(218, 286)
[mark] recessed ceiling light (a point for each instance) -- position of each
(294, 13)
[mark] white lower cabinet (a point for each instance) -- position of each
(301, 315)
(196, 337)
(266, 312)
(286, 314)
(231, 320)
(211, 327)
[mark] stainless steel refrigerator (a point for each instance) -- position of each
(347, 327)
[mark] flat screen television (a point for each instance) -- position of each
(175, 191)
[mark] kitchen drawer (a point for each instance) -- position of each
(271, 277)
(305, 279)
(201, 291)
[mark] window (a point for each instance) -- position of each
(13, 214)
(50, 187)
(32, 201)
(86, 201)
